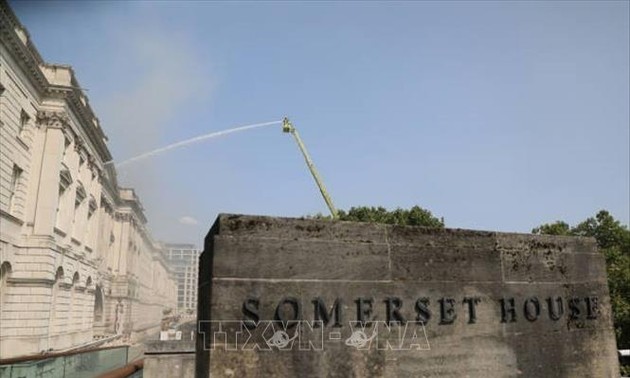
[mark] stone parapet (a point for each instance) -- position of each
(296, 297)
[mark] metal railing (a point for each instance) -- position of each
(90, 363)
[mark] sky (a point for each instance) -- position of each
(494, 115)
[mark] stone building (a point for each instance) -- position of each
(76, 258)
(184, 260)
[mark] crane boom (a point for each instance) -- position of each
(288, 127)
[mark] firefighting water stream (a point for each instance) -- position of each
(191, 141)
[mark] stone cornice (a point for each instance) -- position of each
(24, 52)
(109, 183)
(138, 221)
(29, 60)
(136, 207)
(80, 108)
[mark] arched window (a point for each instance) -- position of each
(59, 275)
(5, 272)
(98, 304)
(85, 309)
(75, 305)
(54, 297)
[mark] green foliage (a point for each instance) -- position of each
(613, 239)
(416, 216)
(557, 228)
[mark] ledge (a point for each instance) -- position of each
(170, 347)
(22, 142)
(11, 217)
(30, 281)
(145, 327)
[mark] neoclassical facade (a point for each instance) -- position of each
(76, 259)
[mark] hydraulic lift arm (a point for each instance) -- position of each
(288, 127)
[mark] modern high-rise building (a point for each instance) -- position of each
(76, 258)
(184, 260)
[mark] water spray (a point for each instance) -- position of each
(191, 141)
(287, 127)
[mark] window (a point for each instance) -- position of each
(65, 180)
(66, 144)
(89, 230)
(5, 272)
(15, 184)
(74, 311)
(24, 118)
(80, 197)
(98, 304)
(92, 207)
(78, 222)
(53, 300)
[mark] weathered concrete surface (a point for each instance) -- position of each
(169, 359)
(259, 268)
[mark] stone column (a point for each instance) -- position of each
(123, 245)
(48, 193)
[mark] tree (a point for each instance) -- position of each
(557, 228)
(416, 216)
(613, 240)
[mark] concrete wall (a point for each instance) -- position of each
(169, 359)
(462, 303)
